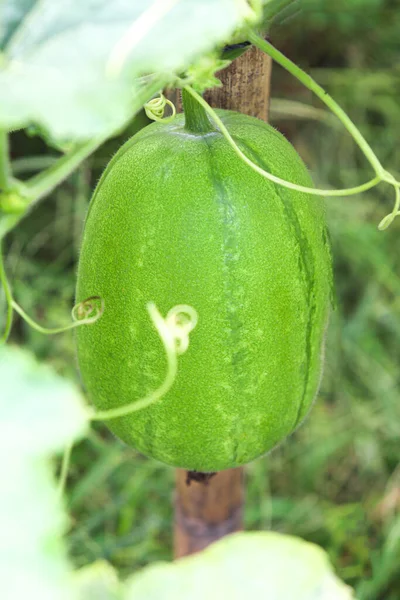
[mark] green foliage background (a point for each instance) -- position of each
(336, 481)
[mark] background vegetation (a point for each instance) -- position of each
(336, 481)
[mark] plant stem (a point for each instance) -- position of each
(32, 164)
(196, 119)
(4, 161)
(292, 186)
(66, 459)
(312, 85)
(8, 296)
(42, 184)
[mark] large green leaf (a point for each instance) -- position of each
(74, 68)
(244, 566)
(39, 413)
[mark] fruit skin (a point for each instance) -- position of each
(178, 218)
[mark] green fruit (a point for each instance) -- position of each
(178, 218)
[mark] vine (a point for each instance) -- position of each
(33, 190)
(174, 332)
(62, 480)
(4, 162)
(8, 297)
(293, 186)
(314, 87)
(380, 173)
(85, 313)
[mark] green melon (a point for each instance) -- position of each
(178, 218)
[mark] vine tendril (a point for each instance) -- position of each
(155, 109)
(8, 296)
(288, 184)
(84, 313)
(311, 84)
(388, 220)
(174, 332)
(66, 459)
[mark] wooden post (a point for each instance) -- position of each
(208, 508)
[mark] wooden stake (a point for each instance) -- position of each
(209, 509)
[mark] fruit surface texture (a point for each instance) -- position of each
(178, 218)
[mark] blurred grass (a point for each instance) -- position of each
(336, 481)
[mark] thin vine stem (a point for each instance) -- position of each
(172, 369)
(42, 184)
(293, 186)
(66, 459)
(89, 317)
(388, 220)
(314, 87)
(4, 161)
(8, 297)
(174, 335)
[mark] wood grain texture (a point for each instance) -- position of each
(207, 511)
(246, 85)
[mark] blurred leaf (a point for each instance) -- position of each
(275, 8)
(244, 566)
(98, 581)
(75, 69)
(39, 412)
(12, 12)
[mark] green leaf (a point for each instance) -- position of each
(12, 13)
(276, 8)
(75, 69)
(98, 581)
(244, 566)
(39, 412)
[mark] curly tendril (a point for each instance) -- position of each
(88, 311)
(155, 109)
(84, 313)
(174, 332)
(388, 220)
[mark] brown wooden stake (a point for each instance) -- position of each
(210, 509)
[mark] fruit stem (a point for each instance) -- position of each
(196, 118)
